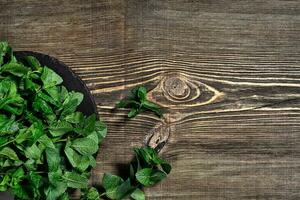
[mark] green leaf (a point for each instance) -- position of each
(4, 183)
(57, 186)
(50, 78)
(39, 105)
(71, 102)
(30, 85)
(138, 194)
(17, 176)
(150, 157)
(33, 62)
(85, 146)
(138, 102)
(74, 118)
(45, 140)
(8, 125)
(33, 152)
(152, 107)
(90, 123)
(75, 180)
(77, 161)
(93, 194)
(35, 182)
(55, 93)
(142, 93)
(72, 156)
(84, 163)
(53, 159)
(64, 196)
(3, 140)
(110, 181)
(149, 177)
(124, 190)
(166, 167)
(133, 112)
(8, 152)
(60, 128)
(20, 192)
(48, 99)
(3, 50)
(127, 103)
(14, 68)
(101, 130)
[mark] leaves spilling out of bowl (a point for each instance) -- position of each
(47, 147)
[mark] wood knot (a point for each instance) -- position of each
(176, 88)
(158, 137)
(180, 90)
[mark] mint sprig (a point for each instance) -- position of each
(137, 102)
(146, 169)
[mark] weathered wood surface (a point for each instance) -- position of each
(228, 73)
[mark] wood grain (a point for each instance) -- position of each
(227, 72)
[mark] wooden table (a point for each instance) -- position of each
(227, 72)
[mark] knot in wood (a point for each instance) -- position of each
(176, 87)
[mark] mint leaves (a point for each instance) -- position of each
(146, 169)
(47, 148)
(137, 102)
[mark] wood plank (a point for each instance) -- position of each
(227, 72)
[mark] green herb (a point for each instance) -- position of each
(47, 147)
(137, 102)
(146, 169)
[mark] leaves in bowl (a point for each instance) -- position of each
(43, 155)
(48, 147)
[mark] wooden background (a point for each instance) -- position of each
(227, 72)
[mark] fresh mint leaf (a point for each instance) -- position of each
(60, 128)
(9, 153)
(152, 107)
(101, 130)
(8, 125)
(142, 94)
(35, 181)
(33, 63)
(85, 146)
(149, 176)
(138, 194)
(45, 140)
(110, 181)
(75, 180)
(133, 112)
(53, 159)
(74, 118)
(3, 50)
(39, 105)
(138, 103)
(126, 103)
(70, 103)
(124, 190)
(57, 186)
(64, 196)
(14, 68)
(20, 192)
(50, 78)
(93, 194)
(33, 152)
